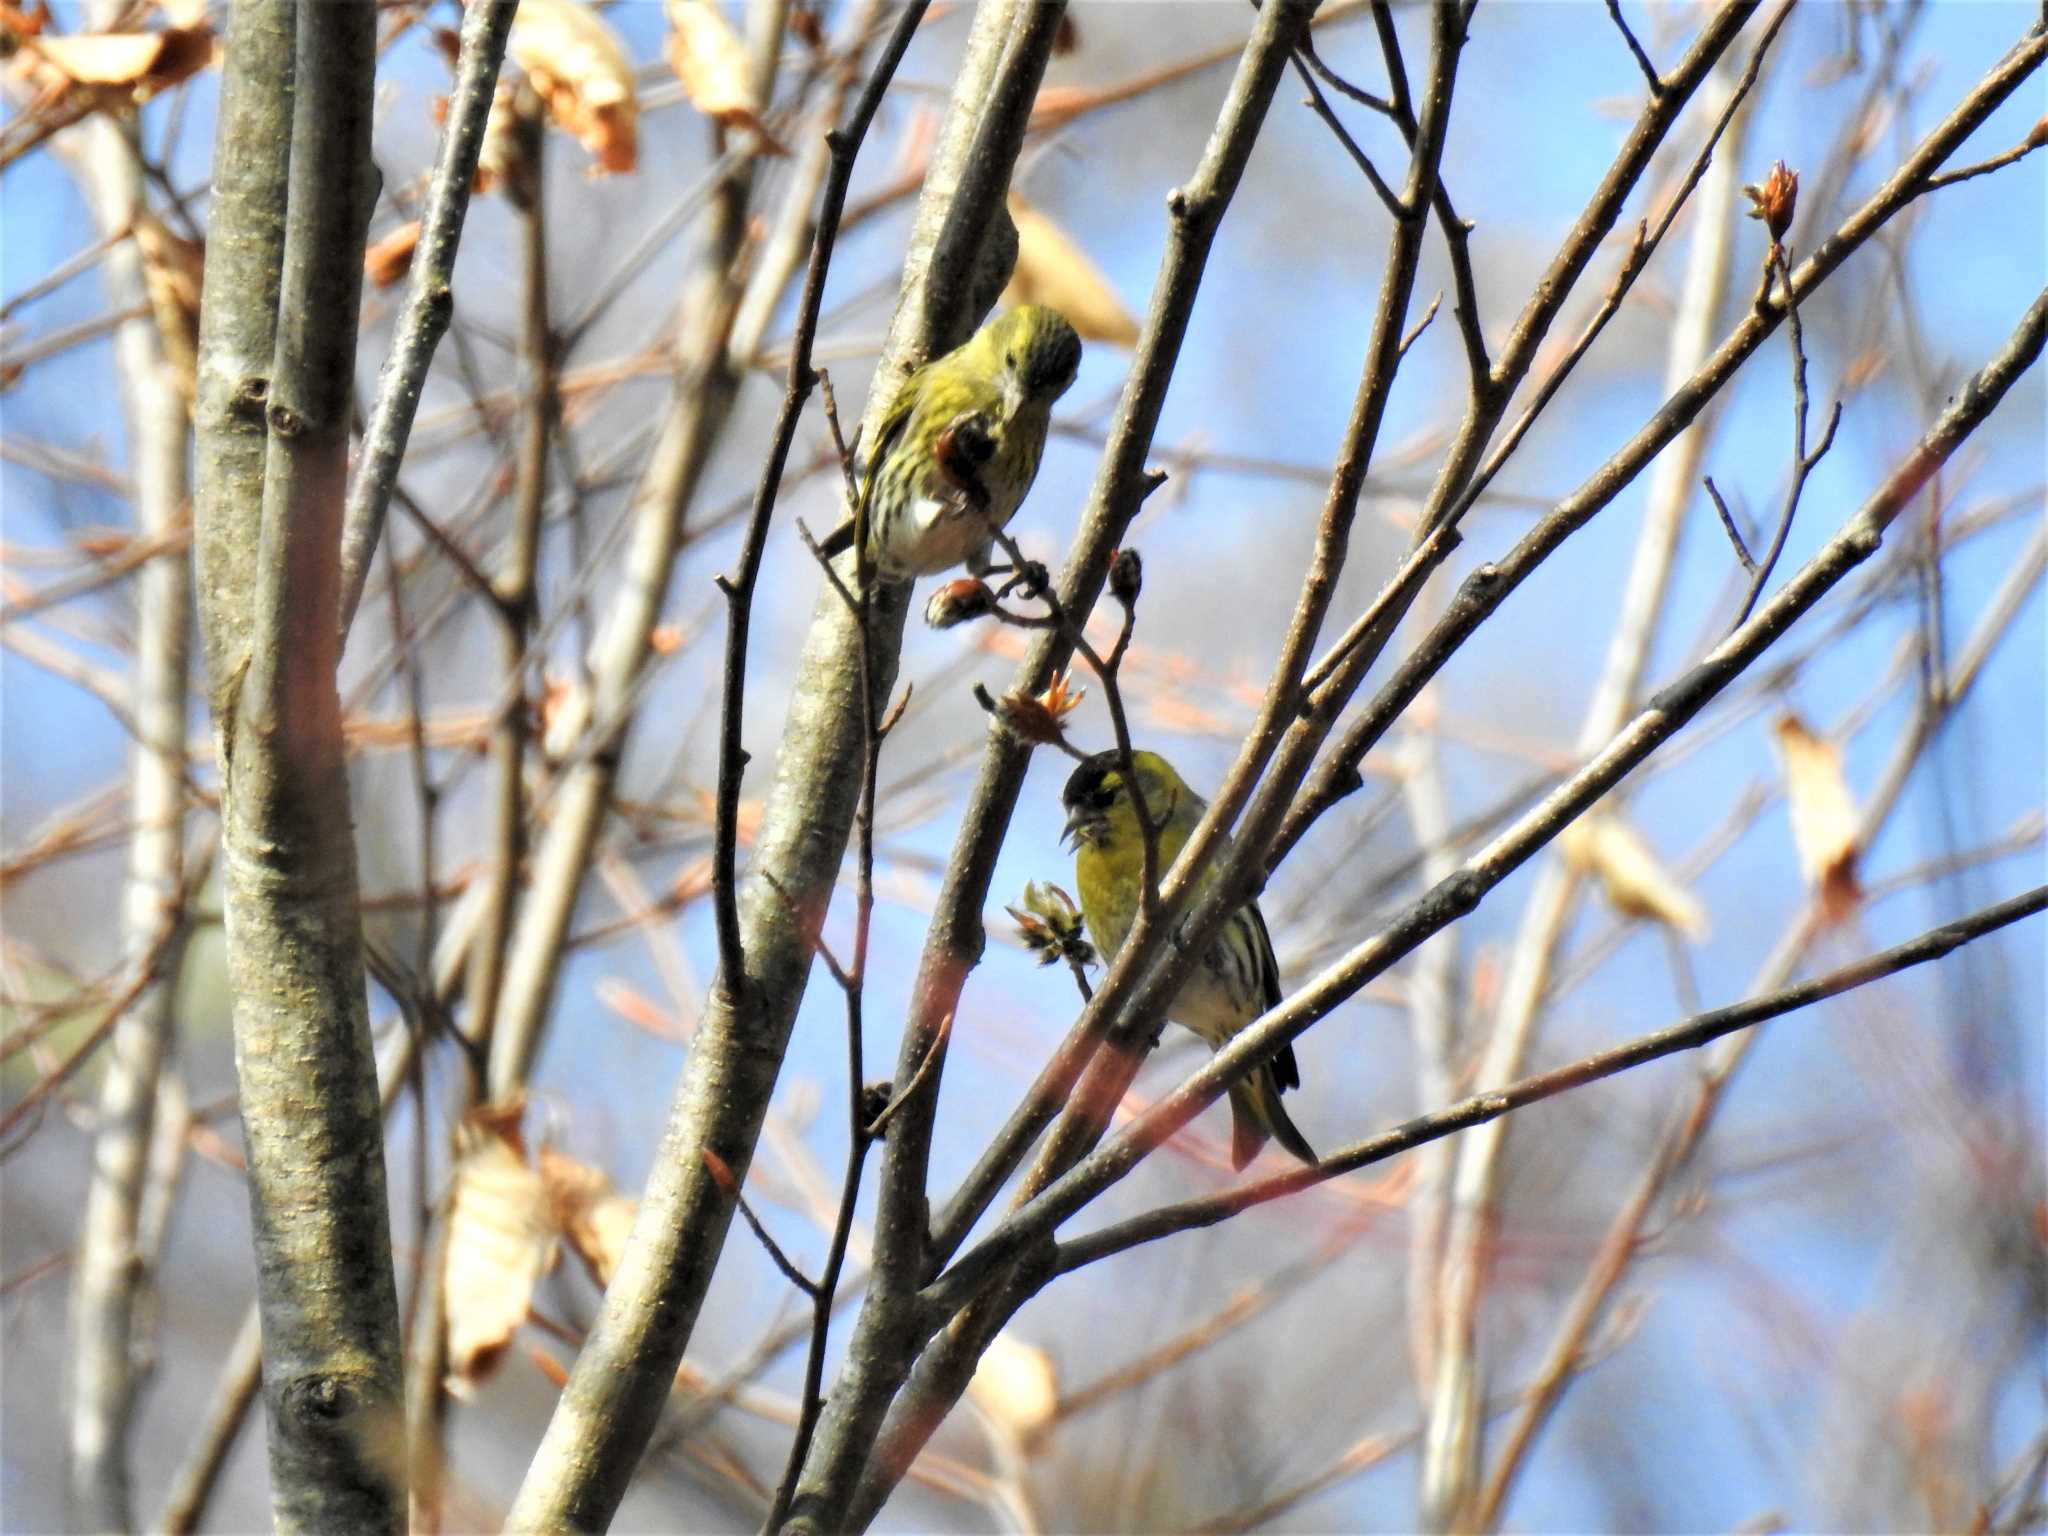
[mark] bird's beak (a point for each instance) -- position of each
(1079, 831)
(1013, 396)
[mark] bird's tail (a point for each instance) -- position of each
(1256, 1115)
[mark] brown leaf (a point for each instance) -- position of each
(1053, 271)
(18, 23)
(173, 271)
(1634, 880)
(1823, 816)
(593, 1216)
(640, 1010)
(578, 66)
(502, 158)
(1017, 1386)
(501, 1240)
(709, 59)
(389, 259)
(142, 62)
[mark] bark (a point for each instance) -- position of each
(112, 1267)
(277, 343)
(957, 262)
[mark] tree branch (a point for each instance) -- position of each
(308, 1084)
(429, 294)
(1478, 1109)
(1452, 898)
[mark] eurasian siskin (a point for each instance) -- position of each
(960, 445)
(1237, 979)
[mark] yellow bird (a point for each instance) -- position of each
(960, 444)
(1238, 978)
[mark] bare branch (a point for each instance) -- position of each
(429, 295)
(1479, 1109)
(1642, 59)
(1667, 712)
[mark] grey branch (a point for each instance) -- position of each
(429, 294)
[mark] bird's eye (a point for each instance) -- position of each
(1104, 797)
(1009, 359)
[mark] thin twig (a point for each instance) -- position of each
(429, 297)
(739, 590)
(1642, 59)
(1318, 104)
(1478, 1109)
(1728, 522)
(1803, 462)
(2019, 151)
(852, 980)
(1665, 715)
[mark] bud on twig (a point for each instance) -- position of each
(1775, 201)
(959, 602)
(1050, 925)
(1041, 719)
(1126, 576)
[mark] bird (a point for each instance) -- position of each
(959, 446)
(1237, 979)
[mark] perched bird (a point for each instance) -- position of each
(960, 445)
(1237, 979)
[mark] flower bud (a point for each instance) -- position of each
(959, 602)
(1050, 925)
(1126, 576)
(1775, 201)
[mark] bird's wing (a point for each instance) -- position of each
(1286, 1073)
(1269, 967)
(888, 433)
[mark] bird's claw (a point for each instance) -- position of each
(1031, 579)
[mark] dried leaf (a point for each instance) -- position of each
(173, 271)
(19, 24)
(578, 66)
(142, 62)
(1016, 1385)
(1635, 881)
(501, 158)
(389, 259)
(708, 58)
(1053, 271)
(1823, 816)
(501, 1240)
(593, 1216)
(640, 1010)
